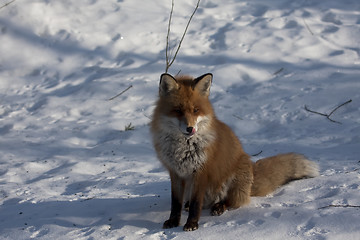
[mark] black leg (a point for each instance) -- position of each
(177, 193)
(194, 215)
(175, 214)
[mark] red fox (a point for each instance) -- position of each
(206, 162)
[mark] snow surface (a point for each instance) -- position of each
(68, 168)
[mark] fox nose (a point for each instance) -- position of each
(190, 130)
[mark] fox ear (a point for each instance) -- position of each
(167, 84)
(203, 83)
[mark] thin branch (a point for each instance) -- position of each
(257, 154)
(168, 61)
(110, 99)
(178, 73)
(236, 116)
(147, 116)
(186, 28)
(278, 71)
(340, 206)
(308, 28)
(168, 36)
(328, 115)
(349, 101)
(7, 4)
(322, 114)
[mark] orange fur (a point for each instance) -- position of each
(205, 160)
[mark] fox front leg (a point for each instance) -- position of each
(177, 193)
(196, 203)
(194, 215)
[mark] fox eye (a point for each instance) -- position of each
(177, 110)
(196, 110)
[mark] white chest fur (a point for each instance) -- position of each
(180, 153)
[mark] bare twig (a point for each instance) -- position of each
(147, 116)
(236, 116)
(7, 4)
(322, 114)
(278, 71)
(178, 73)
(110, 99)
(170, 60)
(168, 36)
(257, 154)
(328, 115)
(349, 101)
(340, 206)
(307, 26)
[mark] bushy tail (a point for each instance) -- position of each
(272, 172)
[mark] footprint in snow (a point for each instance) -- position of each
(257, 222)
(273, 214)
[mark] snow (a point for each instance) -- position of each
(70, 170)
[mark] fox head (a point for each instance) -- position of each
(184, 103)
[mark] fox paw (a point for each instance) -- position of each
(191, 226)
(218, 209)
(171, 223)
